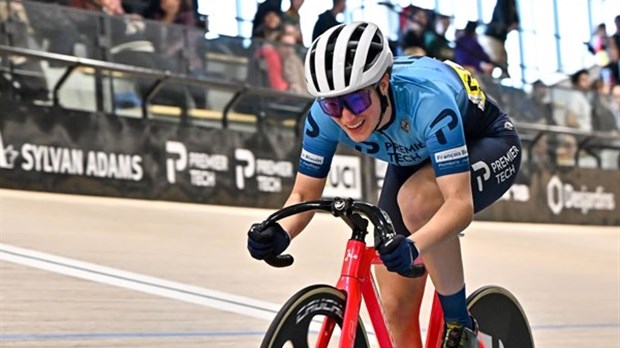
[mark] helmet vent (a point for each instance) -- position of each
(329, 56)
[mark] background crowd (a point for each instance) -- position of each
(588, 99)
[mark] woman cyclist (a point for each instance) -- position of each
(451, 153)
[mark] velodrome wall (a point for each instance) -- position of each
(56, 150)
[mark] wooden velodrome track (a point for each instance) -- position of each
(80, 271)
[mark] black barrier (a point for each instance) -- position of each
(565, 196)
(56, 150)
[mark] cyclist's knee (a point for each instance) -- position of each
(418, 205)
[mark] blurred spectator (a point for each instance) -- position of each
(172, 12)
(598, 45)
(271, 23)
(176, 43)
(27, 78)
(54, 28)
(468, 52)
(610, 73)
(267, 6)
(291, 17)
(412, 40)
(110, 7)
(505, 19)
(266, 64)
(292, 64)
(574, 110)
(603, 118)
(537, 108)
(579, 111)
(293, 30)
(615, 38)
(328, 19)
(437, 46)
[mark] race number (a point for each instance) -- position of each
(474, 92)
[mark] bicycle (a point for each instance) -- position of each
(502, 321)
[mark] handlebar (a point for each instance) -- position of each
(345, 209)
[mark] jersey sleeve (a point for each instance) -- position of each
(441, 124)
(320, 140)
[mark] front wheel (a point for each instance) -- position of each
(500, 317)
(291, 326)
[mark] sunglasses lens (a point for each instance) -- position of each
(331, 106)
(358, 101)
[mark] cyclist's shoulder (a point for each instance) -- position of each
(418, 67)
(423, 76)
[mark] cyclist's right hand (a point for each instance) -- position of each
(270, 241)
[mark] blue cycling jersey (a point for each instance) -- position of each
(436, 108)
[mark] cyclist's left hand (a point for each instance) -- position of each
(398, 254)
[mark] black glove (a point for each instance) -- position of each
(271, 241)
(398, 254)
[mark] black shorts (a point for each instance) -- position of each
(494, 164)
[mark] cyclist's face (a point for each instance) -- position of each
(359, 125)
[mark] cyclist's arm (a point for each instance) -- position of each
(305, 188)
(454, 215)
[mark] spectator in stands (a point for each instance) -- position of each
(603, 118)
(579, 113)
(271, 24)
(574, 110)
(258, 30)
(537, 108)
(469, 53)
(598, 45)
(328, 18)
(110, 7)
(615, 38)
(293, 30)
(412, 40)
(505, 19)
(27, 79)
(291, 17)
(435, 41)
(266, 65)
(292, 64)
(610, 73)
(172, 12)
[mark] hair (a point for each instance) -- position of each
(574, 78)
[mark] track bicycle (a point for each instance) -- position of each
(502, 322)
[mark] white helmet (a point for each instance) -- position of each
(347, 58)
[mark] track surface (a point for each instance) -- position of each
(80, 271)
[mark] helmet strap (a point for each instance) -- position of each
(384, 103)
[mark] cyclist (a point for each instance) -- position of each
(451, 152)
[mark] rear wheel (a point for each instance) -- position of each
(501, 319)
(291, 326)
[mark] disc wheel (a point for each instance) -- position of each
(501, 319)
(291, 326)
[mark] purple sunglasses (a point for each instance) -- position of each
(357, 102)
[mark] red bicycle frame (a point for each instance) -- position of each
(357, 282)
